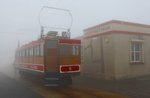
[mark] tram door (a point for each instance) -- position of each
(51, 53)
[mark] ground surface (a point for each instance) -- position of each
(30, 88)
(68, 92)
(16, 87)
(9, 88)
(82, 87)
(134, 88)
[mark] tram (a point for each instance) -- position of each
(53, 58)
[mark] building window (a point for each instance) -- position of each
(136, 53)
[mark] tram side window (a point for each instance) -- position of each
(20, 53)
(77, 50)
(26, 52)
(31, 51)
(23, 53)
(36, 51)
(41, 49)
(16, 54)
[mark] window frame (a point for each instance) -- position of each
(75, 50)
(134, 59)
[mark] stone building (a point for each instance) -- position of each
(116, 50)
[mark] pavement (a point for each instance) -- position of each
(133, 88)
(10, 88)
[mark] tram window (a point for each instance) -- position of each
(65, 50)
(41, 49)
(38, 50)
(75, 50)
(20, 53)
(35, 54)
(23, 53)
(26, 52)
(31, 52)
(34, 51)
(52, 44)
(17, 54)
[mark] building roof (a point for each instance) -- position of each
(119, 22)
(117, 26)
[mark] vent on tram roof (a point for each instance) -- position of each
(52, 33)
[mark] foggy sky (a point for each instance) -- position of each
(19, 18)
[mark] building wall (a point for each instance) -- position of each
(108, 55)
(123, 67)
(99, 57)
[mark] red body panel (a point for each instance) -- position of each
(33, 67)
(66, 41)
(69, 68)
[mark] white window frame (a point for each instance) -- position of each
(134, 52)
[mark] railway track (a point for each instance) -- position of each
(67, 92)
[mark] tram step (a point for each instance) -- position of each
(51, 78)
(51, 85)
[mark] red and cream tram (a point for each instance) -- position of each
(53, 58)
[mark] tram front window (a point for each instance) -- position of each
(69, 50)
(65, 50)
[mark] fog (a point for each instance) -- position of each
(19, 19)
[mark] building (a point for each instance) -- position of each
(116, 50)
